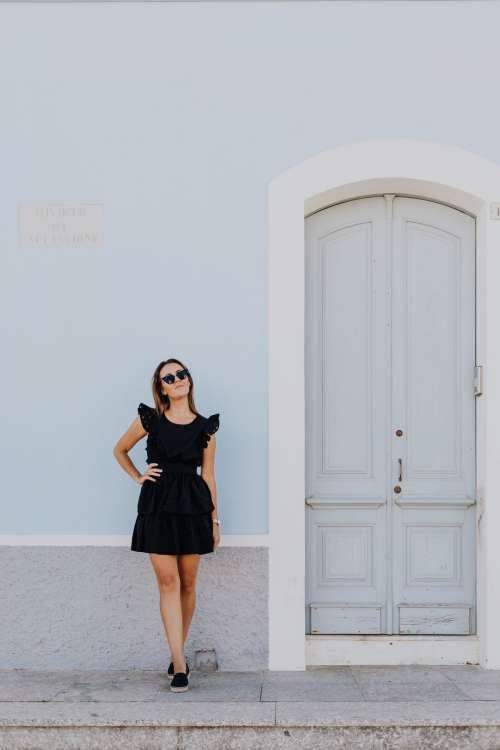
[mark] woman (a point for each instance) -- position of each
(177, 507)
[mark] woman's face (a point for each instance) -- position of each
(177, 389)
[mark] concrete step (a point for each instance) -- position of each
(312, 709)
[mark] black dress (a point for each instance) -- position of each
(174, 513)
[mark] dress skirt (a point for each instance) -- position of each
(174, 513)
(173, 534)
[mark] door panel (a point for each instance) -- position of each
(433, 350)
(390, 352)
(346, 352)
(346, 461)
(347, 568)
(433, 357)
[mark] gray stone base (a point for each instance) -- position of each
(231, 726)
(339, 707)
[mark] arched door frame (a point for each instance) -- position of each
(410, 167)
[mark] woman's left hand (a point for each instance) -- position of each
(216, 534)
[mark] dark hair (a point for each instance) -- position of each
(162, 401)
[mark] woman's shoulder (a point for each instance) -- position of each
(148, 416)
(212, 422)
(210, 426)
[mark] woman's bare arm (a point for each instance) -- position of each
(121, 450)
(208, 470)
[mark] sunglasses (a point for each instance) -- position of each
(170, 378)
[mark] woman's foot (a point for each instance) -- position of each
(180, 682)
(170, 671)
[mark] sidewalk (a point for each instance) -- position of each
(336, 707)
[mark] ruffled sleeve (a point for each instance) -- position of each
(148, 417)
(211, 426)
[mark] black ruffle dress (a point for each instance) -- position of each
(174, 513)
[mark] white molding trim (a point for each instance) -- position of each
(114, 540)
(392, 650)
(405, 166)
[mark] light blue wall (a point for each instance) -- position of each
(175, 116)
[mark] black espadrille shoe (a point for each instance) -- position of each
(170, 671)
(180, 682)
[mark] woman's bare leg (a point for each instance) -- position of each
(167, 575)
(188, 570)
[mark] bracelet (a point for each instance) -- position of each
(216, 520)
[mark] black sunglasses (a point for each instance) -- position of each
(181, 374)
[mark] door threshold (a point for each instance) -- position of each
(380, 650)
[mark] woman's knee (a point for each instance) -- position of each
(169, 582)
(188, 584)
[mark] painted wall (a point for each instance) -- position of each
(175, 117)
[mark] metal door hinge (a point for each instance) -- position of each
(478, 380)
(480, 510)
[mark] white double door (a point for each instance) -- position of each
(390, 418)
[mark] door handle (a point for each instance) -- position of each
(400, 461)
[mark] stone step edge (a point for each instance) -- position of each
(251, 714)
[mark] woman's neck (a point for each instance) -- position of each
(179, 410)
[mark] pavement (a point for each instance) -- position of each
(332, 707)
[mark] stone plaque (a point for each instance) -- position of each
(52, 225)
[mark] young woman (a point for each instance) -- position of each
(177, 507)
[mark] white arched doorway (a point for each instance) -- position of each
(427, 170)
